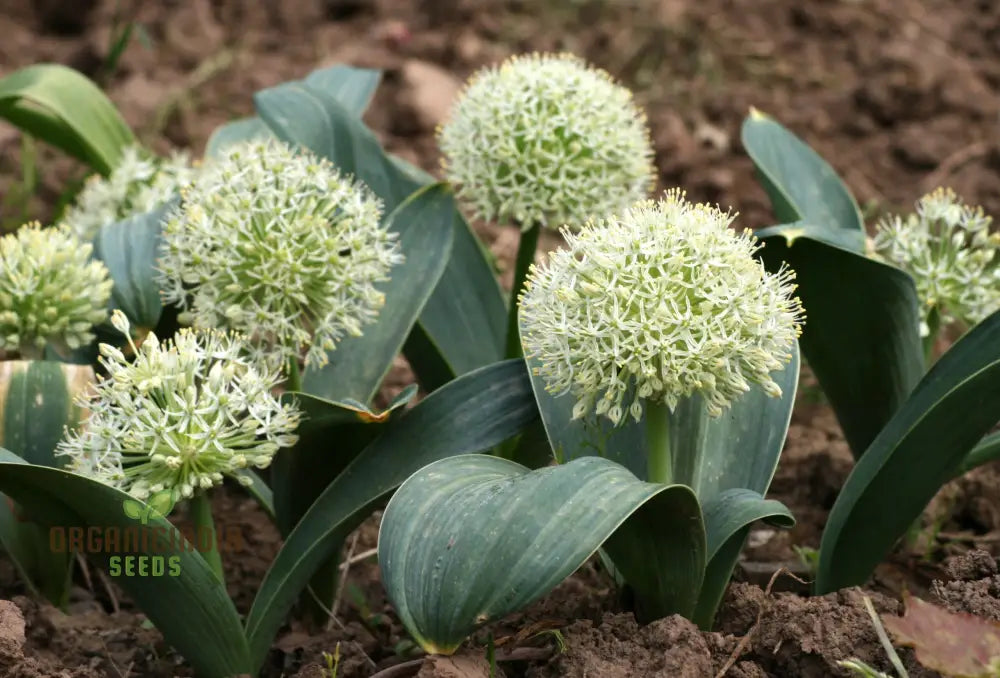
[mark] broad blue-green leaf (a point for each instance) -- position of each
(259, 490)
(588, 436)
(844, 238)
(728, 517)
(739, 449)
(65, 109)
(130, 249)
(235, 132)
(464, 320)
(332, 435)
(470, 539)
(861, 331)
(36, 404)
(799, 182)
(358, 365)
(192, 610)
(862, 317)
(472, 413)
(986, 451)
(917, 452)
(730, 462)
(300, 114)
(352, 87)
(462, 324)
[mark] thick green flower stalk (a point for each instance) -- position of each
(139, 183)
(546, 140)
(276, 244)
(180, 417)
(665, 298)
(51, 291)
(948, 249)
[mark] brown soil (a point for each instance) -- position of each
(899, 95)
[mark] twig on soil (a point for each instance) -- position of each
(211, 67)
(969, 537)
(110, 591)
(534, 629)
(954, 161)
(364, 555)
(114, 665)
(410, 668)
(88, 580)
(345, 569)
(518, 654)
(82, 562)
(745, 640)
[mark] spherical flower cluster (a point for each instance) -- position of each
(546, 139)
(665, 298)
(180, 417)
(279, 246)
(139, 183)
(948, 249)
(51, 291)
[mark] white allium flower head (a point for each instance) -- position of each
(948, 249)
(140, 182)
(665, 298)
(50, 290)
(546, 139)
(180, 417)
(276, 244)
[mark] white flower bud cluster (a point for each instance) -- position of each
(140, 182)
(948, 249)
(546, 139)
(279, 246)
(665, 298)
(180, 417)
(50, 290)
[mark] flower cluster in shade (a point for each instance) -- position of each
(180, 417)
(139, 183)
(947, 247)
(51, 291)
(278, 245)
(546, 140)
(659, 303)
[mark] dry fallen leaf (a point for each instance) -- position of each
(956, 644)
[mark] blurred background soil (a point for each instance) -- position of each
(900, 96)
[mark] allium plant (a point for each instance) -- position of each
(278, 245)
(306, 247)
(665, 297)
(640, 333)
(139, 183)
(660, 303)
(914, 421)
(544, 140)
(948, 249)
(51, 291)
(179, 418)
